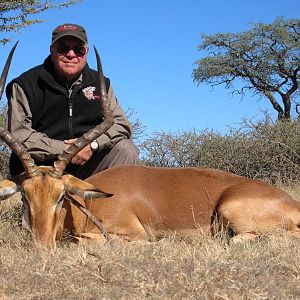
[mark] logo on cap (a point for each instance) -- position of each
(67, 27)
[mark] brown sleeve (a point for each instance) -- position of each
(38, 144)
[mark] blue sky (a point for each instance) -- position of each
(148, 49)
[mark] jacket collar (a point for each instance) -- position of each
(48, 75)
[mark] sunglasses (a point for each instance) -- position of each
(79, 50)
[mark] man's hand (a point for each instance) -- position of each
(82, 156)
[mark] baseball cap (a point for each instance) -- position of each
(69, 29)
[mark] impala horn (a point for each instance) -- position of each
(17, 147)
(64, 158)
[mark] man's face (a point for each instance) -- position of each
(69, 56)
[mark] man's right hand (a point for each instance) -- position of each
(82, 156)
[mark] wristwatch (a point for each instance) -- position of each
(94, 145)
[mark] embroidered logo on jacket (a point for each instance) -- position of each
(89, 93)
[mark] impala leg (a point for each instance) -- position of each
(294, 232)
(243, 237)
(91, 238)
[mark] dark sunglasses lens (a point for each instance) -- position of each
(78, 50)
(62, 49)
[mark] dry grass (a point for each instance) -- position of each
(167, 269)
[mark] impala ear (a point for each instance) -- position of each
(7, 189)
(82, 188)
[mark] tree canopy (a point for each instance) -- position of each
(266, 59)
(15, 14)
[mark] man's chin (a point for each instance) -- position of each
(69, 75)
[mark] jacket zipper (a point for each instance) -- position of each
(70, 118)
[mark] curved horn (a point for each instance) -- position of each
(17, 147)
(6, 68)
(63, 159)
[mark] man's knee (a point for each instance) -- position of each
(126, 152)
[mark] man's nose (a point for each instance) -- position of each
(71, 53)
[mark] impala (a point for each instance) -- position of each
(141, 202)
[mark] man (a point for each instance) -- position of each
(54, 103)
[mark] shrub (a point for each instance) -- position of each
(265, 150)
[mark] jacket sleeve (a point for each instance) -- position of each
(121, 128)
(38, 144)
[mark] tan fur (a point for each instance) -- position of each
(155, 201)
(150, 202)
(43, 193)
(7, 187)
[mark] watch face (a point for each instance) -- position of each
(94, 145)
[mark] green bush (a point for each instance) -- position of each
(266, 150)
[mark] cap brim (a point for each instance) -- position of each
(68, 34)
